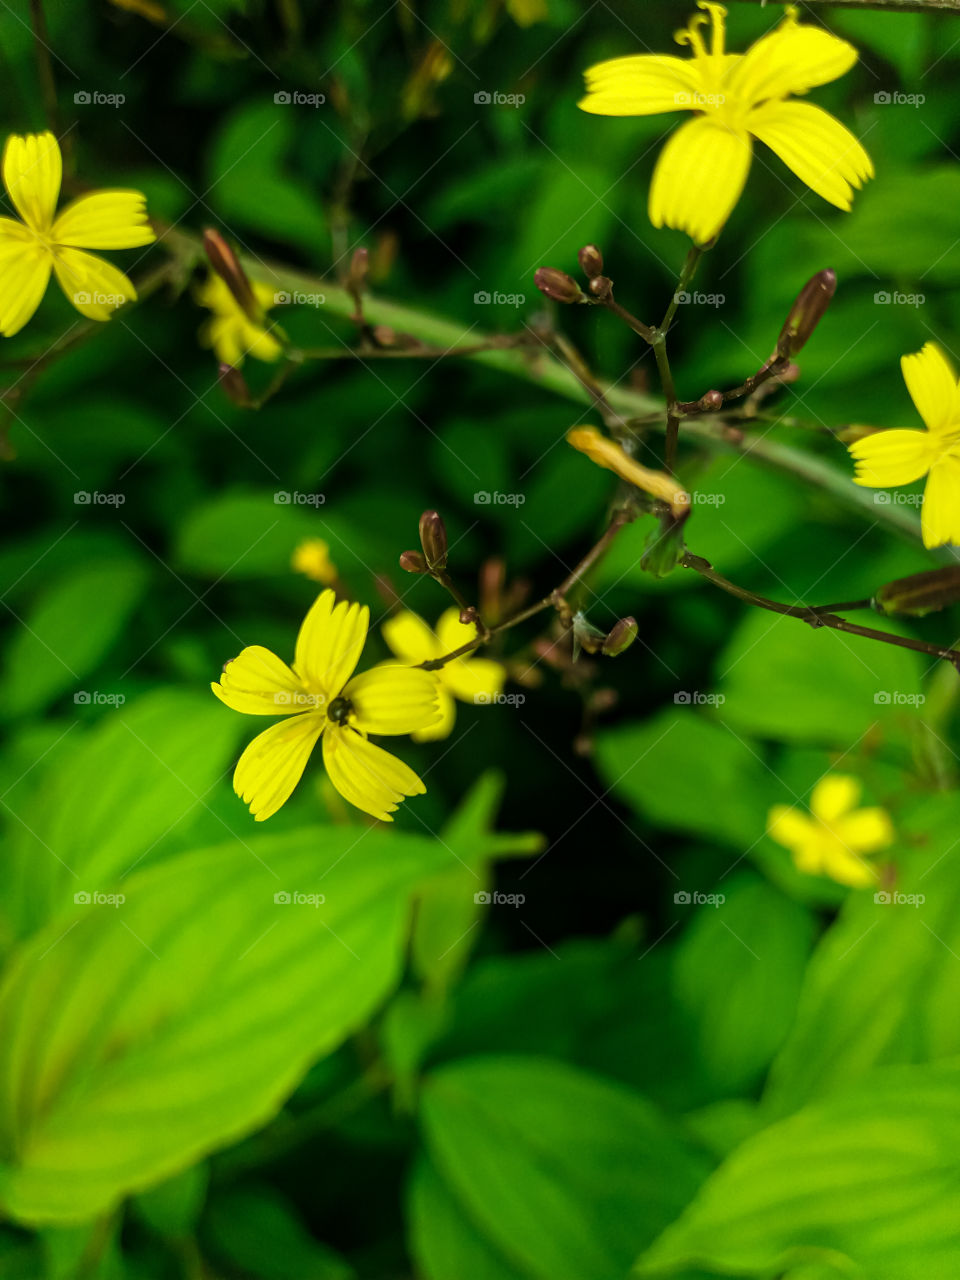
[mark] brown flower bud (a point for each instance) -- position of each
(711, 401)
(469, 616)
(807, 312)
(234, 386)
(591, 261)
(227, 266)
(557, 285)
(433, 539)
(413, 562)
(920, 593)
(601, 287)
(620, 637)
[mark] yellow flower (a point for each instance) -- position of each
(902, 456)
(470, 679)
(318, 696)
(837, 837)
(702, 169)
(231, 333)
(44, 241)
(312, 558)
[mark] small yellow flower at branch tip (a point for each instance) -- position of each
(229, 331)
(46, 241)
(319, 696)
(702, 170)
(312, 558)
(607, 453)
(901, 456)
(835, 838)
(477, 680)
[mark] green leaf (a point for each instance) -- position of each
(865, 1180)
(653, 764)
(745, 954)
(782, 680)
(884, 983)
(256, 1230)
(172, 1208)
(68, 632)
(562, 1172)
(143, 1035)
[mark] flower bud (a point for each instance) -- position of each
(806, 312)
(557, 285)
(601, 287)
(413, 562)
(711, 401)
(920, 593)
(591, 261)
(227, 266)
(469, 616)
(620, 637)
(433, 539)
(234, 386)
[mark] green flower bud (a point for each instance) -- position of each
(620, 637)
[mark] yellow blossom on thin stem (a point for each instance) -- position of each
(229, 331)
(702, 169)
(902, 456)
(312, 558)
(477, 680)
(836, 837)
(46, 241)
(320, 696)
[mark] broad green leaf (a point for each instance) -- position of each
(745, 954)
(562, 1172)
(884, 983)
(67, 632)
(865, 1181)
(106, 798)
(172, 1208)
(257, 1231)
(655, 765)
(143, 1034)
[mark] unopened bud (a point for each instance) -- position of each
(921, 593)
(413, 562)
(806, 312)
(601, 287)
(711, 401)
(557, 285)
(469, 616)
(591, 261)
(227, 266)
(433, 539)
(234, 386)
(620, 637)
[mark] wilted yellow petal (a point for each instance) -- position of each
(606, 453)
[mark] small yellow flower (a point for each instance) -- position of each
(702, 169)
(902, 456)
(45, 241)
(312, 558)
(470, 679)
(229, 331)
(837, 836)
(318, 697)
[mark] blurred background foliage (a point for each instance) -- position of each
(196, 1085)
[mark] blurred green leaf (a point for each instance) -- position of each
(257, 1231)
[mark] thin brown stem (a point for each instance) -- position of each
(772, 369)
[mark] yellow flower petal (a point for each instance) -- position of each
(24, 275)
(452, 633)
(940, 515)
(791, 59)
(834, 796)
(443, 727)
(411, 639)
(32, 169)
(393, 699)
(932, 384)
(474, 679)
(698, 178)
(847, 868)
(892, 457)
(641, 85)
(105, 220)
(257, 683)
(865, 831)
(789, 827)
(311, 557)
(367, 776)
(329, 644)
(95, 287)
(821, 151)
(273, 763)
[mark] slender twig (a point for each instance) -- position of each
(772, 369)
(816, 615)
(48, 83)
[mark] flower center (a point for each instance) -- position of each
(340, 710)
(710, 64)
